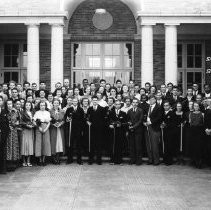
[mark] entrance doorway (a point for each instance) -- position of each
(102, 60)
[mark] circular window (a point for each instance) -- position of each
(102, 19)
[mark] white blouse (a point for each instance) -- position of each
(43, 116)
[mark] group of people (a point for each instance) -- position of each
(93, 120)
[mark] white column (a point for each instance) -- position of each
(171, 54)
(56, 54)
(147, 54)
(33, 59)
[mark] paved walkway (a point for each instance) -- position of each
(106, 187)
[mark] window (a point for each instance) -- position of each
(11, 58)
(102, 56)
(194, 56)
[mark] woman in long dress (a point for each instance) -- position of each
(4, 131)
(13, 147)
(42, 120)
(196, 120)
(56, 131)
(27, 144)
(178, 134)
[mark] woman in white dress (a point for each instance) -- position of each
(27, 144)
(42, 120)
(56, 131)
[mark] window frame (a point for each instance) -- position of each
(184, 69)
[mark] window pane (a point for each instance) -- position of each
(190, 78)
(14, 61)
(15, 76)
(15, 49)
(88, 49)
(96, 49)
(198, 62)
(116, 49)
(92, 62)
(198, 77)
(108, 49)
(179, 61)
(190, 61)
(179, 49)
(190, 49)
(198, 49)
(24, 64)
(7, 49)
(128, 61)
(112, 61)
(7, 61)
(6, 77)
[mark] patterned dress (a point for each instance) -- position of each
(13, 148)
(57, 134)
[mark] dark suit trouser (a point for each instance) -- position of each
(135, 146)
(168, 145)
(117, 146)
(96, 144)
(75, 144)
(152, 143)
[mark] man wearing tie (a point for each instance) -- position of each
(74, 114)
(96, 120)
(152, 124)
(118, 120)
(135, 118)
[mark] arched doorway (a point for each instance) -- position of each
(102, 41)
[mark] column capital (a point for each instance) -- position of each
(56, 24)
(32, 24)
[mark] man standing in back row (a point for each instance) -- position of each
(135, 119)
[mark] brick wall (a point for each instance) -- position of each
(159, 61)
(81, 25)
(45, 61)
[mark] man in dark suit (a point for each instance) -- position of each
(96, 120)
(152, 123)
(135, 118)
(74, 114)
(83, 89)
(174, 99)
(207, 91)
(167, 126)
(118, 121)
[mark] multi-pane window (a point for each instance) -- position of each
(194, 55)
(102, 56)
(11, 58)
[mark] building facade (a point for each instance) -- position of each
(145, 40)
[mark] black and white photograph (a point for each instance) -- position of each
(105, 104)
